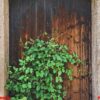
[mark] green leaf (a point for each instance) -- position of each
(59, 73)
(37, 88)
(29, 85)
(59, 79)
(59, 86)
(75, 55)
(24, 86)
(37, 73)
(60, 98)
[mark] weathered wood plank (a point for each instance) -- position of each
(69, 21)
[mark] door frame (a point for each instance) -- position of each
(4, 43)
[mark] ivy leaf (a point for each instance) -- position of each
(59, 79)
(37, 88)
(60, 98)
(24, 86)
(59, 86)
(29, 85)
(37, 74)
(59, 73)
(75, 55)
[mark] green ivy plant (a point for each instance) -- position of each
(39, 75)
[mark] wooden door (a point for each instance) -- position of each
(70, 21)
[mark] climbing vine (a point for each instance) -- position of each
(39, 75)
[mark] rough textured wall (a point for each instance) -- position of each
(3, 44)
(95, 49)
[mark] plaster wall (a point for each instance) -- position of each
(3, 44)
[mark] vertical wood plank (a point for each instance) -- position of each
(66, 20)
